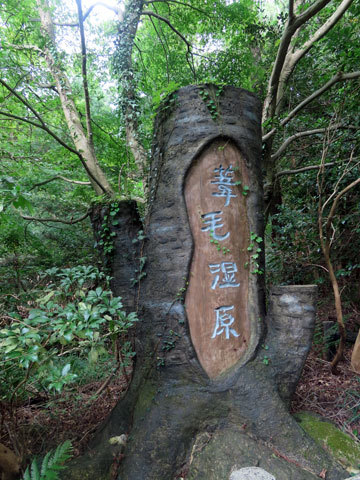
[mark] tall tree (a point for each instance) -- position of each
(174, 27)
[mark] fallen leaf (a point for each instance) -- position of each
(322, 474)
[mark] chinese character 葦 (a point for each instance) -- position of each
(224, 180)
(212, 220)
(228, 270)
(223, 322)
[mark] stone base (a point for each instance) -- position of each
(251, 473)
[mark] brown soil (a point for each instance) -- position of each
(335, 397)
(41, 426)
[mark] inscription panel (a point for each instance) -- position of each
(216, 301)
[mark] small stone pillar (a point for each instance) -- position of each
(291, 323)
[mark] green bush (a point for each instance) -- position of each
(75, 318)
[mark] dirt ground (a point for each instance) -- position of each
(38, 426)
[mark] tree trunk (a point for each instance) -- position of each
(213, 376)
(82, 140)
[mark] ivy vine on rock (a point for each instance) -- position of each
(254, 249)
(210, 96)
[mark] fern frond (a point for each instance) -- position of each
(45, 463)
(61, 454)
(27, 474)
(51, 464)
(35, 474)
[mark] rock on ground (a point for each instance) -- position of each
(251, 473)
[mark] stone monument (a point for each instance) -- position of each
(214, 373)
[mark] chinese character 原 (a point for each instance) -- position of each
(224, 321)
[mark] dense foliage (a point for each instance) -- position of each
(73, 318)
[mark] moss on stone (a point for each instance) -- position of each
(146, 397)
(341, 446)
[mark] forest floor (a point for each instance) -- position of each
(335, 397)
(41, 426)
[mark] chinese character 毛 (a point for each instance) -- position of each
(212, 220)
(228, 270)
(224, 180)
(223, 322)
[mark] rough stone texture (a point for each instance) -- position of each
(211, 463)
(122, 266)
(180, 422)
(291, 323)
(184, 129)
(251, 473)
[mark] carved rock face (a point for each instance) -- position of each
(187, 248)
(217, 296)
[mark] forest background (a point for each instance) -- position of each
(80, 86)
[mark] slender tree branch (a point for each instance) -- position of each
(310, 12)
(63, 24)
(18, 82)
(324, 29)
(292, 59)
(106, 133)
(58, 139)
(41, 100)
(59, 177)
(23, 101)
(165, 20)
(109, 7)
(336, 201)
(23, 47)
(187, 43)
(43, 127)
(97, 4)
(163, 47)
(307, 133)
(326, 239)
(179, 3)
(57, 220)
(84, 73)
(316, 265)
(141, 56)
(339, 77)
(340, 178)
(289, 140)
(291, 11)
(292, 25)
(305, 169)
(49, 86)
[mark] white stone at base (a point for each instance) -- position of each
(256, 473)
(251, 473)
